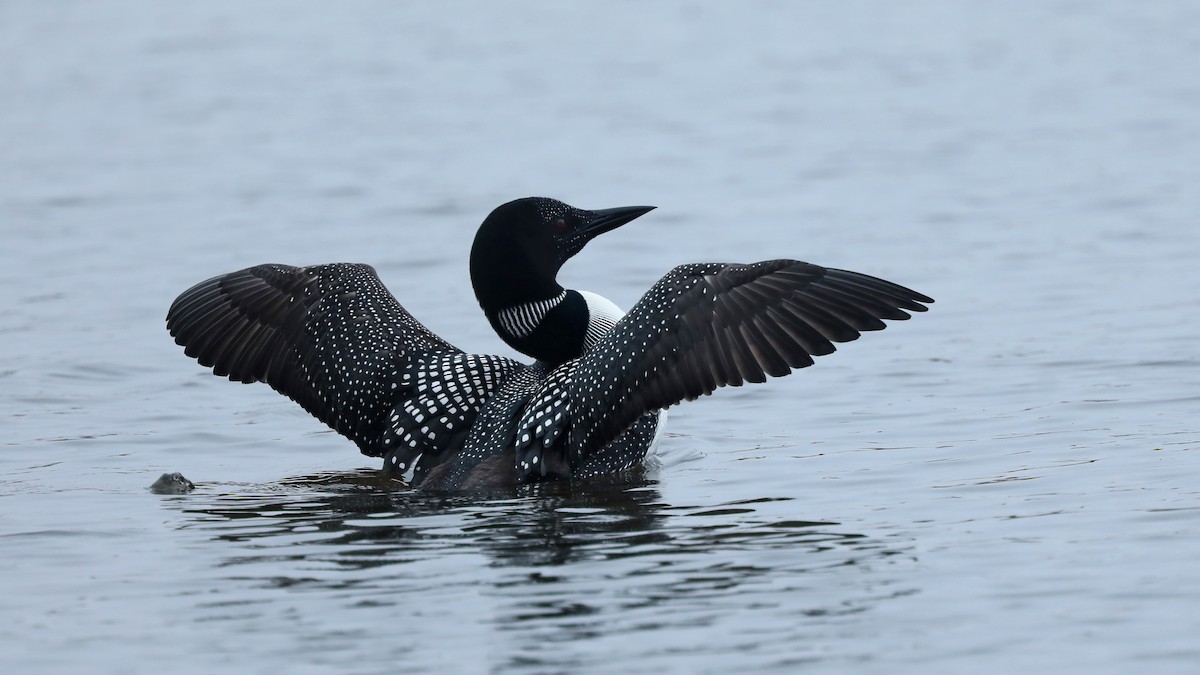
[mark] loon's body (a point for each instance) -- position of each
(332, 338)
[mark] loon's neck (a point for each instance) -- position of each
(558, 329)
(553, 330)
(524, 302)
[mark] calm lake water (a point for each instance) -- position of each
(1010, 481)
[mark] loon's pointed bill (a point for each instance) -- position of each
(600, 221)
(335, 340)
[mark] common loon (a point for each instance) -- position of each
(332, 338)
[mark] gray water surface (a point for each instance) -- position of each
(1010, 481)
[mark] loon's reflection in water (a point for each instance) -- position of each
(559, 549)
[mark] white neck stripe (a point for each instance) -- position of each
(522, 320)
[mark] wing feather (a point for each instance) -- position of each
(330, 337)
(710, 325)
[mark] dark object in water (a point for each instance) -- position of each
(172, 484)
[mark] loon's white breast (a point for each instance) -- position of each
(603, 315)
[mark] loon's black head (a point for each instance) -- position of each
(522, 244)
(545, 232)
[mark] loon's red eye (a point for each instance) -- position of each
(560, 224)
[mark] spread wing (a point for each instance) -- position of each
(705, 326)
(330, 337)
